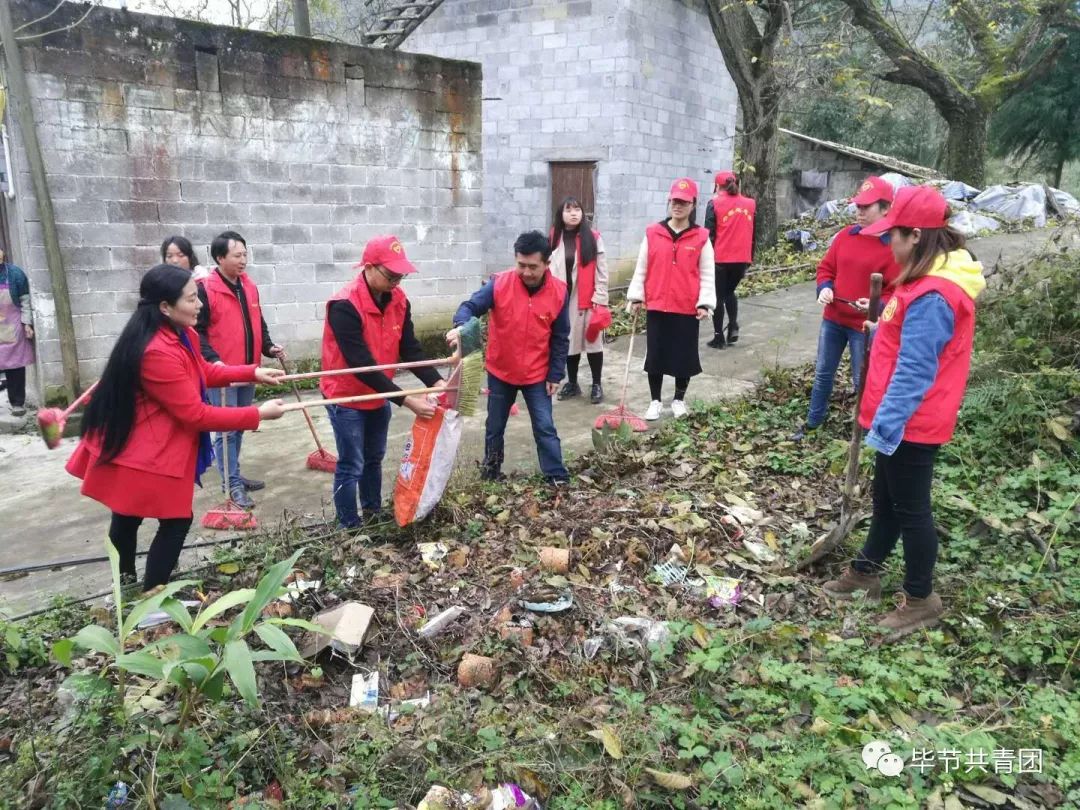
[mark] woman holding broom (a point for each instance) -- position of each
(674, 280)
(145, 435)
(915, 382)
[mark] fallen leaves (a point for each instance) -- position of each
(609, 739)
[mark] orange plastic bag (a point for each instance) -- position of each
(426, 465)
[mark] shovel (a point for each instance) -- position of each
(849, 518)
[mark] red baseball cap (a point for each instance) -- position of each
(873, 190)
(683, 189)
(388, 252)
(599, 319)
(721, 178)
(913, 207)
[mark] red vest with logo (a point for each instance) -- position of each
(734, 243)
(934, 420)
(519, 328)
(226, 332)
(586, 273)
(382, 334)
(672, 277)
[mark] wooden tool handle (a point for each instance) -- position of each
(79, 400)
(296, 406)
(441, 361)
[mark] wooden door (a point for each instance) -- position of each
(573, 180)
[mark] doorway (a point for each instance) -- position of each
(574, 179)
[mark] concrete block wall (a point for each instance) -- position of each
(639, 87)
(154, 126)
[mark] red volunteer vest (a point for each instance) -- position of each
(586, 274)
(734, 243)
(672, 278)
(934, 420)
(519, 328)
(382, 334)
(226, 330)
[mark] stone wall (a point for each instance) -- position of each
(846, 174)
(639, 87)
(153, 126)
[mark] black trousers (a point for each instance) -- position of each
(15, 383)
(902, 509)
(728, 277)
(164, 550)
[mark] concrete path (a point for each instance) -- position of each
(43, 518)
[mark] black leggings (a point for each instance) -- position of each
(164, 551)
(15, 382)
(728, 277)
(902, 509)
(656, 383)
(596, 366)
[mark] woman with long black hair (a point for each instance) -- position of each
(145, 435)
(577, 258)
(178, 250)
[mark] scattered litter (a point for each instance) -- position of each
(959, 191)
(676, 554)
(670, 573)
(351, 573)
(298, 586)
(746, 515)
(161, 617)
(760, 551)
(1014, 203)
(1066, 201)
(413, 705)
(650, 630)
(436, 624)
(519, 628)
(476, 670)
(723, 591)
(557, 605)
(970, 223)
(555, 560)
(803, 240)
(517, 577)
(432, 554)
(737, 530)
(346, 625)
(117, 797)
(591, 646)
(508, 796)
(504, 797)
(365, 692)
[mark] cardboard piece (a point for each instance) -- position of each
(346, 626)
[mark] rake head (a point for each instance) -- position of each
(322, 460)
(622, 415)
(229, 517)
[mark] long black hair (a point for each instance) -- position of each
(183, 245)
(111, 412)
(586, 240)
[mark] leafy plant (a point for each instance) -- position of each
(198, 659)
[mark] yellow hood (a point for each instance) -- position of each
(959, 268)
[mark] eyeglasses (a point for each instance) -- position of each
(393, 278)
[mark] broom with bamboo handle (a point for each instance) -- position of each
(297, 406)
(310, 375)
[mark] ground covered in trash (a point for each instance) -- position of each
(684, 665)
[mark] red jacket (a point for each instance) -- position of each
(935, 418)
(847, 265)
(672, 275)
(154, 473)
(382, 334)
(519, 328)
(226, 329)
(734, 243)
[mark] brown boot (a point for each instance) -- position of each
(912, 614)
(851, 582)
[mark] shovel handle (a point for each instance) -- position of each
(441, 361)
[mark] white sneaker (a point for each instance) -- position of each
(654, 410)
(678, 408)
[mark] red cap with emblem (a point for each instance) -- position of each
(388, 252)
(683, 189)
(913, 207)
(720, 178)
(873, 190)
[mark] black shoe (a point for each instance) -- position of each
(802, 432)
(733, 333)
(240, 497)
(596, 396)
(558, 482)
(492, 474)
(252, 484)
(717, 342)
(570, 390)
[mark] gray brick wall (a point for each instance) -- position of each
(153, 126)
(638, 86)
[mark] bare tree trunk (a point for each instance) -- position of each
(1059, 169)
(759, 152)
(302, 20)
(965, 150)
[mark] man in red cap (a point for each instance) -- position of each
(369, 323)
(843, 284)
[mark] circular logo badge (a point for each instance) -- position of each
(683, 184)
(866, 186)
(396, 247)
(890, 310)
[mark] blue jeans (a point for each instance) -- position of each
(236, 396)
(832, 340)
(361, 445)
(501, 397)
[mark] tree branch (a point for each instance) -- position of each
(978, 28)
(997, 90)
